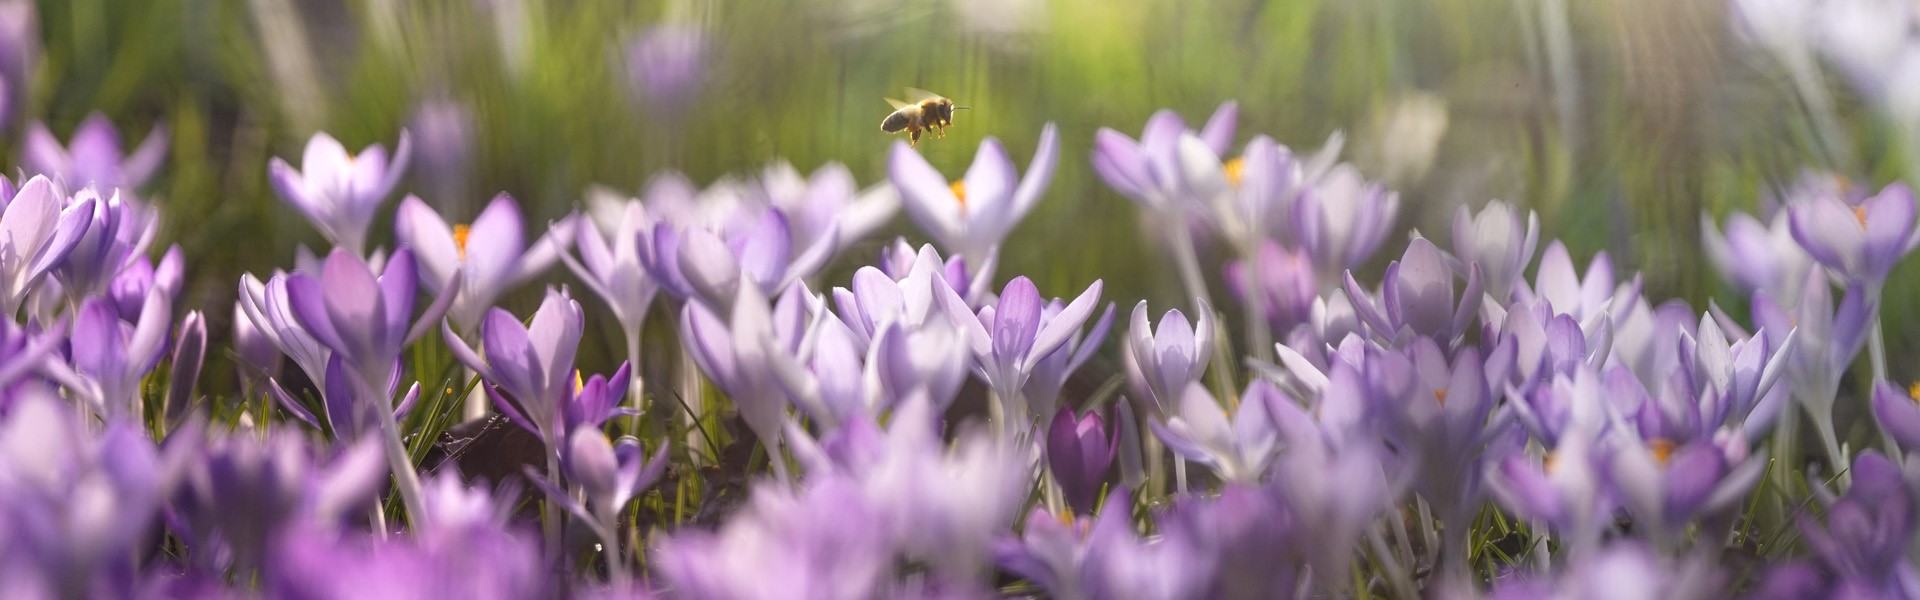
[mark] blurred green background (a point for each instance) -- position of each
(1620, 121)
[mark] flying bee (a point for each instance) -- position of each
(926, 111)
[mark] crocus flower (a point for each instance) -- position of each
(474, 561)
(141, 276)
(94, 155)
(1161, 362)
(1498, 241)
(269, 310)
(497, 259)
(1249, 537)
(1121, 564)
(1283, 284)
(972, 216)
(1149, 171)
(1050, 551)
(529, 368)
(1625, 570)
(1863, 544)
(785, 544)
(447, 132)
(361, 318)
(1586, 298)
(667, 65)
(1443, 421)
(120, 232)
(337, 191)
(1419, 297)
(910, 295)
(1012, 338)
(1237, 449)
(1898, 412)
(734, 353)
(1079, 451)
(1565, 487)
(113, 356)
(826, 202)
(607, 476)
(695, 263)
(245, 495)
(1342, 219)
(19, 51)
(1858, 242)
(1666, 485)
(1050, 374)
(36, 234)
(1757, 257)
(611, 243)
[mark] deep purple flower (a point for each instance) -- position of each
(120, 232)
(337, 191)
(37, 232)
(489, 257)
(1149, 171)
(972, 216)
(1858, 242)
(141, 276)
(93, 157)
(1237, 449)
(1499, 242)
(1284, 286)
(1079, 451)
(1161, 362)
(1419, 297)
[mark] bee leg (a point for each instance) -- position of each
(940, 132)
(913, 138)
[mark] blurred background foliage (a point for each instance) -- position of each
(1621, 121)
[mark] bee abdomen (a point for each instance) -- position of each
(895, 122)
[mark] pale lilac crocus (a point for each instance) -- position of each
(269, 310)
(112, 356)
(1237, 448)
(1342, 219)
(1149, 171)
(1498, 241)
(608, 476)
(1012, 337)
(706, 265)
(38, 230)
(1418, 297)
(1756, 256)
(1162, 361)
(666, 65)
(1858, 242)
(1050, 374)
(95, 155)
(529, 367)
(337, 191)
(734, 353)
(826, 201)
(1587, 296)
(611, 241)
(1281, 280)
(973, 216)
(1898, 412)
(490, 256)
(120, 232)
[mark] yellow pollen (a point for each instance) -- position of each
(960, 192)
(1065, 516)
(1546, 464)
(576, 380)
(1913, 391)
(1860, 214)
(1236, 169)
(1662, 451)
(1441, 396)
(460, 239)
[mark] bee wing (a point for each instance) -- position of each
(918, 95)
(899, 104)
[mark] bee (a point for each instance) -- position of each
(926, 111)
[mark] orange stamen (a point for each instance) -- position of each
(960, 192)
(1662, 451)
(1913, 391)
(460, 239)
(1440, 395)
(1236, 169)
(1860, 214)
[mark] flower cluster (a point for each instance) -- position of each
(1485, 418)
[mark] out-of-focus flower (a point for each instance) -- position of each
(1079, 451)
(1626, 570)
(1419, 297)
(826, 202)
(1829, 337)
(1406, 136)
(1247, 541)
(113, 356)
(1757, 257)
(490, 256)
(141, 276)
(1858, 242)
(1284, 285)
(908, 295)
(607, 476)
(666, 65)
(1120, 564)
(1149, 171)
(1666, 485)
(1443, 421)
(1012, 337)
(1342, 219)
(826, 541)
(447, 132)
(1238, 449)
(1498, 241)
(1050, 551)
(337, 191)
(19, 51)
(1863, 544)
(241, 496)
(1050, 373)
(37, 233)
(972, 216)
(611, 241)
(94, 156)
(734, 353)
(476, 560)
(1898, 412)
(1586, 298)
(1161, 362)
(1565, 488)
(696, 263)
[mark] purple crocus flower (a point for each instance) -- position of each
(1118, 563)
(1443, 422)
(1342, 219)
(1624, 570)
(113, 356)
(1012, 338)
(93, 157)
(1864, 542)
(734, 353)
(141, 276)
(695, 263)
(1285, 285)
(972, 216)
(1419, 297)
(1149, 171)
(481, 561)
(361, 318)
(1079, 451)
(611, 243)
(831, 384)
(1237, 449)
(607, 476)
(19, 52)
(529, 368)
(826, 202)
(337, 191)
(1858, 242)
(785, 544)
(667, 65)
(1564, 488)
(1898, 412)
(269, 310)
(241, 495)
(496, 260)
(1050, 374)
(1499, 242)
(908, 295)
(1161, 362)
(1586, 298)
(37, 232)
(1757, 257)
(1050, 551)
(120, 232)
(447, 132)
